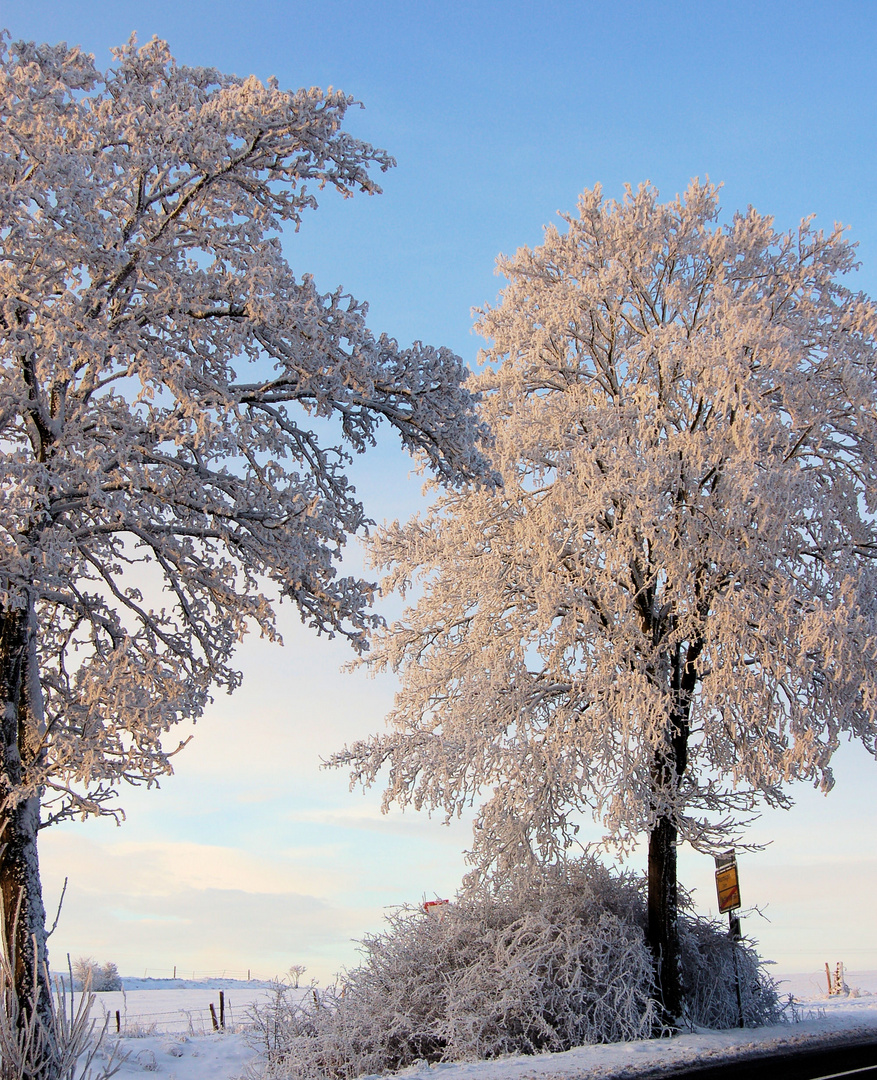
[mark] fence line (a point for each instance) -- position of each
(188, 1021)
(199, 1012)
(177, 972)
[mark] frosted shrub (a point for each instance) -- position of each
(713, 967)
(546, 963)
(89, 975)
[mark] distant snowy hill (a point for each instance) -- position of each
(133, 983)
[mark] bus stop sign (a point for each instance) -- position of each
(727, 882)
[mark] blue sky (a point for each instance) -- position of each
(499, 114)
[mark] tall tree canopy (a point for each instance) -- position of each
(161, 369)
(668, 611)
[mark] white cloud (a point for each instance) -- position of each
(154, 905)
(368, 817)
(157, 868)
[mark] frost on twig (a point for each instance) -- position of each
(62, 1041)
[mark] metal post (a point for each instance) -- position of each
(734, 934)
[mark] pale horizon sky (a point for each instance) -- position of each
(499, 115)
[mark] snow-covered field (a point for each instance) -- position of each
(179, 1055)
(184, 1011)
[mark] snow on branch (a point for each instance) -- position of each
(160, 371)
(668, 611)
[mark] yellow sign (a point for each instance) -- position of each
(728, 888)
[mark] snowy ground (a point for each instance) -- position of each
(224, 1056)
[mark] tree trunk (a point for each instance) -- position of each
(23, 915)
(663, 906)
(668, 770)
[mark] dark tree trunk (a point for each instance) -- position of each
(23, 915)
(667, 772)
(663, 906)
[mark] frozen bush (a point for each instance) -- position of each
(552, 960)
(89, 975)
(713, 966)
(109, 977)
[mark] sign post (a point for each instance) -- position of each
(728, 892)
(727, 883)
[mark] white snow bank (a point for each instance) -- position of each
(182, 1057)
(131, 982)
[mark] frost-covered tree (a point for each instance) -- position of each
(89, 975)
(668, 611)
(166, 390)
